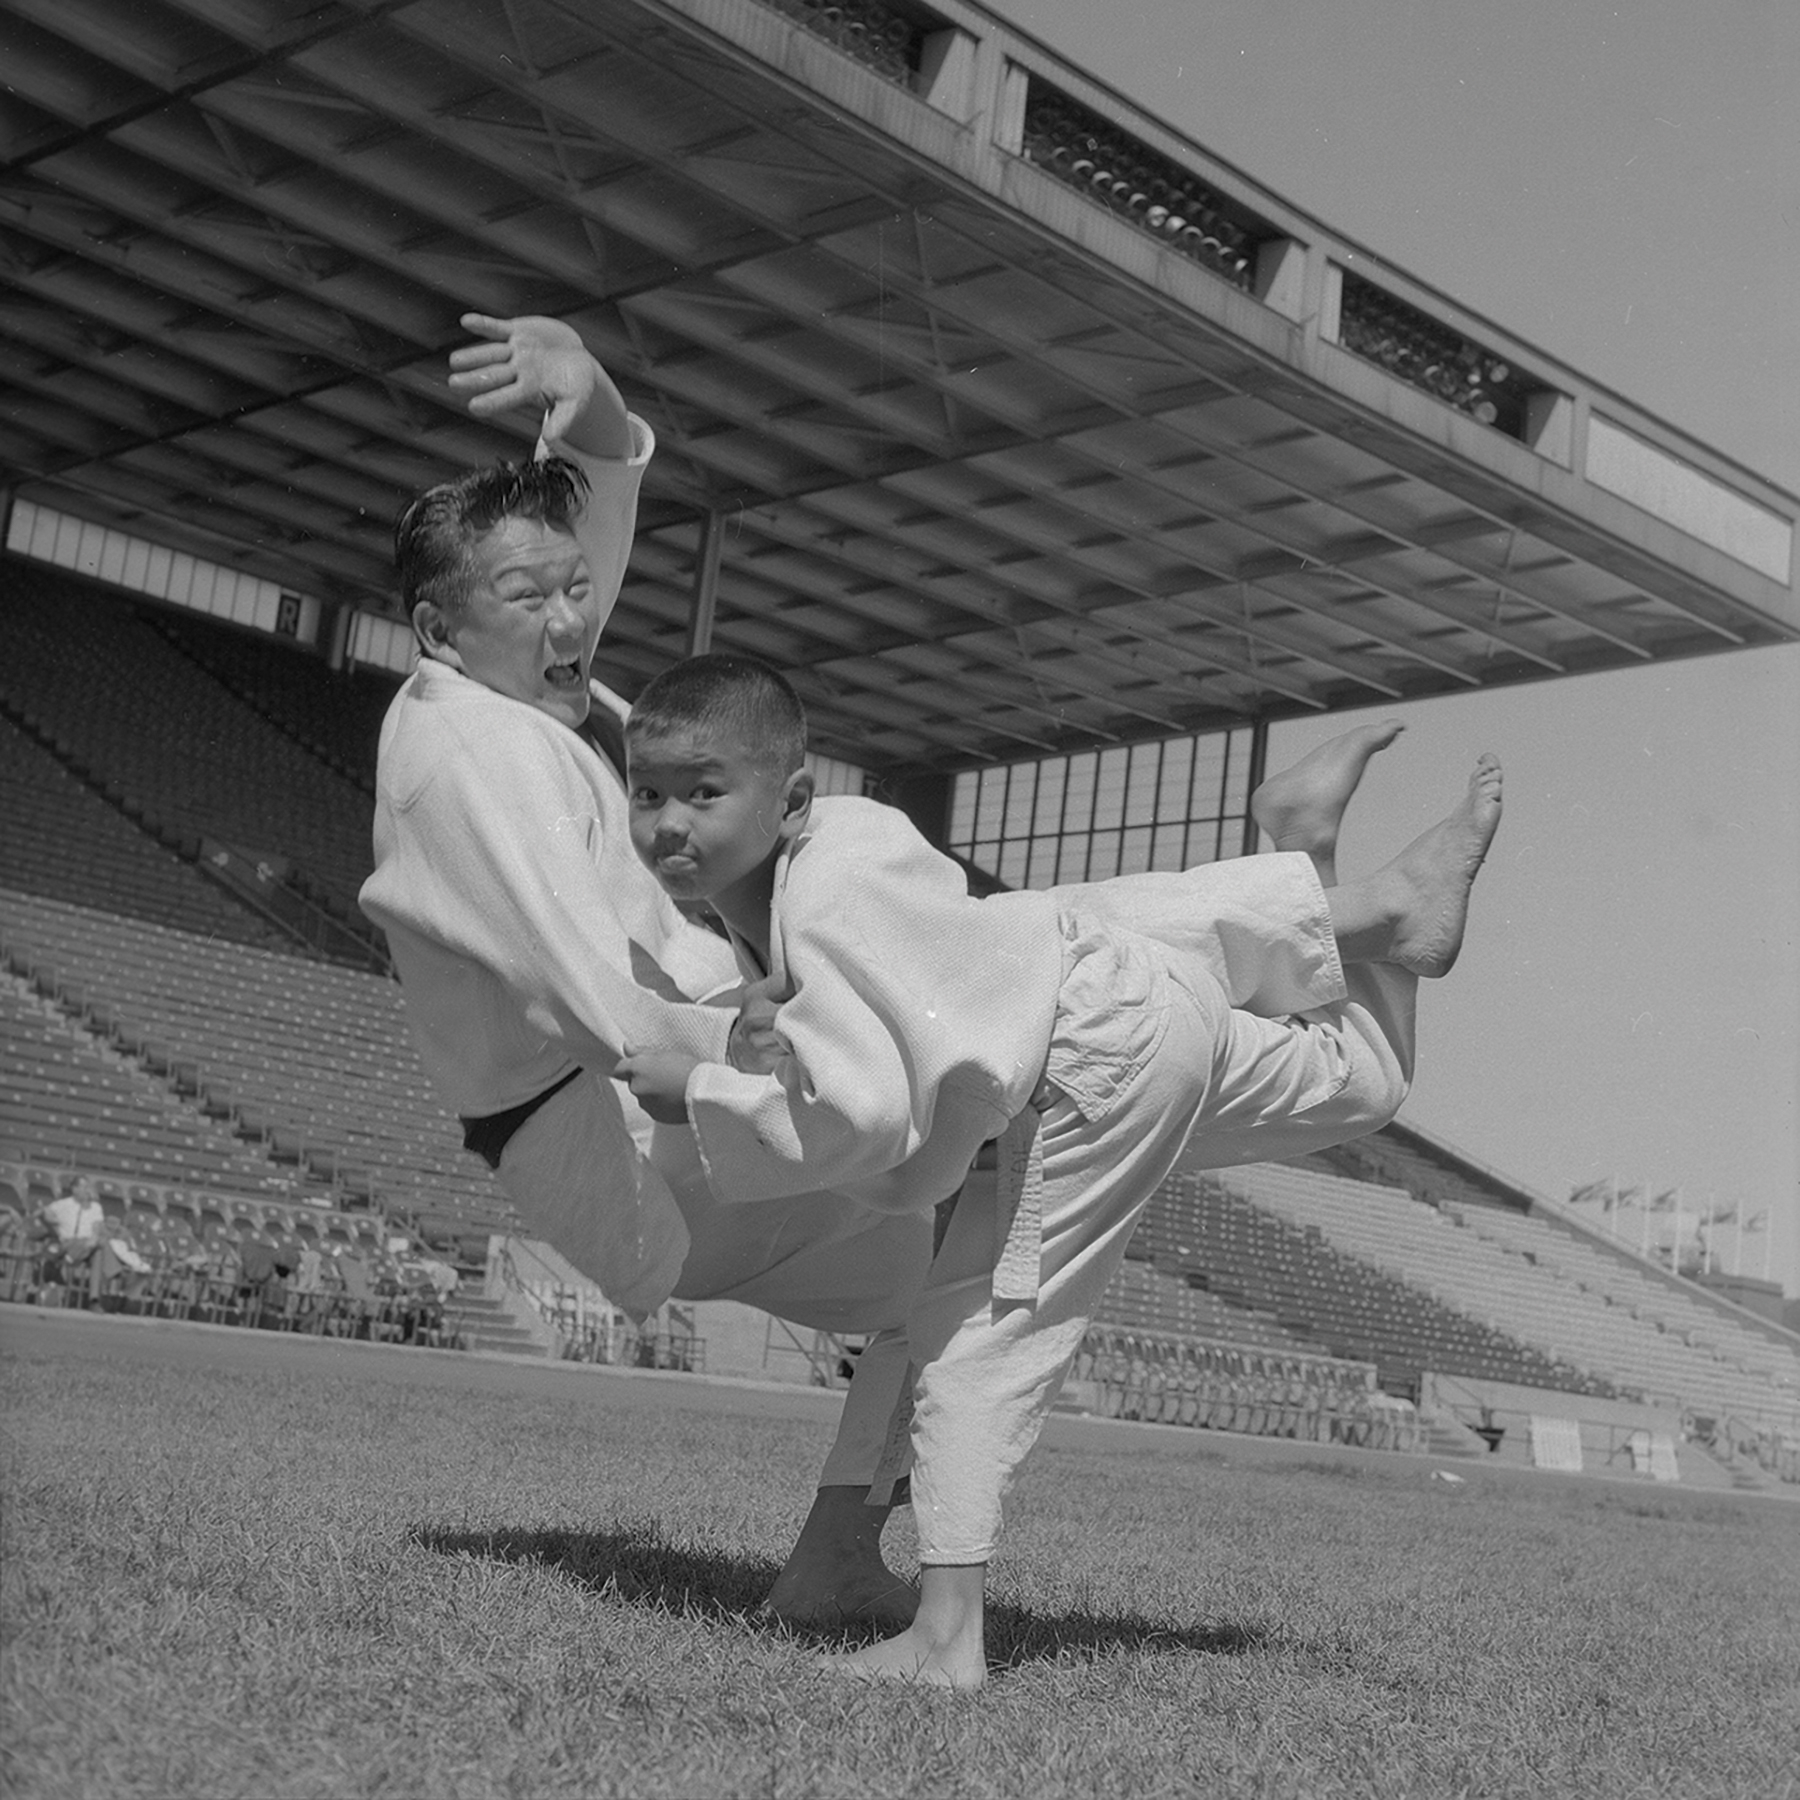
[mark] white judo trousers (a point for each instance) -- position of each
(1128, 1088)
(1148, 1056)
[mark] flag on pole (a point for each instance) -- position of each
(1665, 1201)
(1589, 1190)
(1757, 1221)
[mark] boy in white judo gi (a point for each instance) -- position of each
(916, 1025)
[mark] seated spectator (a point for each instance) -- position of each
(121, 1270)
(15, 1253)
(365, 1309)
(256, 1265)
(70, 1227)
(181, 1270)
(263, 1275)
(309, 1270)
(444, 1279)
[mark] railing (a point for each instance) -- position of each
(623, 1346)
(872, 33)
(829, 1356)
(1765, 1441)
(587, 1328)
(1110, 166)
(521, 1271)
(1427, 354)
(270, 887)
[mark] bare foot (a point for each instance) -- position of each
(912, 1656)
(817, 1600)
(1434, 873)
(1301, 808)
(835, 1575)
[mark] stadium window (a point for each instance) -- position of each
(1161, 805)
(1052, 783)
(834, 777)
(1078, 801)
(1071, 859)
(1143, 774)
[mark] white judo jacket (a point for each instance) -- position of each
(916, 1021)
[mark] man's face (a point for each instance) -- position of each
(531, 620)
(704, 815)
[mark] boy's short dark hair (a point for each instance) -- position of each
(433, 538)
(720, 691)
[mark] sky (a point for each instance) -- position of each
(1618, 186)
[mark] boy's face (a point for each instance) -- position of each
(704, 814)
(531, 620)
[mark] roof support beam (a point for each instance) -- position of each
(705, 599)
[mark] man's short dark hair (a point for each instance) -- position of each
(720, 691)
(435, 536)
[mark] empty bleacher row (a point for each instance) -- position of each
(1603, 1325)
(1142, 1297)
(1615, 1315)
(122, 704)
(63, 842)
(67, 1099)
(335, 714)
(310, 1062)
(1199, 1227)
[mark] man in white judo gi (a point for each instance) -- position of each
(533, 946)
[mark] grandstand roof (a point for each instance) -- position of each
(1016, 420)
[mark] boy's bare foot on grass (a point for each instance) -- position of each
(945, 1646)
(1301, 808)
(1432, 876)
(914, 1656)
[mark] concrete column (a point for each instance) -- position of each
(706, 583)
(1259, 762)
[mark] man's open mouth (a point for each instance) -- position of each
(563, 675)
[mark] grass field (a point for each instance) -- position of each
(236, 1565)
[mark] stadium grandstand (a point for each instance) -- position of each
(1055, 457)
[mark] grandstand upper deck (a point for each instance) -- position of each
(1038, 426)
(64, 842)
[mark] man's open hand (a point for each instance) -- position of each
(540, 362)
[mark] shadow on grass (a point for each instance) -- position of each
(1017, 1637)
(636, 1564)
(639, 1565)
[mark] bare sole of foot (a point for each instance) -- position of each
(1436, 872)
(904, 1658)
(1301, 808)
